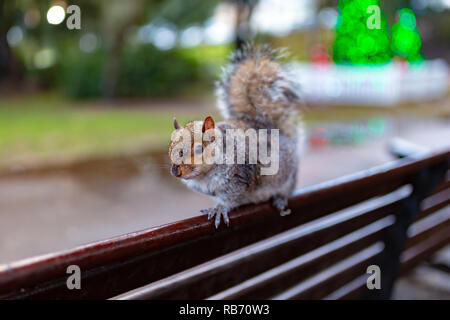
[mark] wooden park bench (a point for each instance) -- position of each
(393, 216)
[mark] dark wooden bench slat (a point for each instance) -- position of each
(196, 284)
(444, 185)
(436, 227)
(334, 277)
(434, 202)
(425, 228)
(440, 222)
(431, 240)
(412, 256)
(352, 290)
(277, 279)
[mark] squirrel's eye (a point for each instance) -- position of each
(198, 149)
(180, 153)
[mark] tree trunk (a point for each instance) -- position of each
(10, 68)
(112, 66)
(244, 9)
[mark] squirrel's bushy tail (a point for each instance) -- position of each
(257, 89)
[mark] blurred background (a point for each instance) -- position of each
(87, 99)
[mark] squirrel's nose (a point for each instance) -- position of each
(175, 171)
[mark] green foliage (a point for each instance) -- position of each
(144, 71)
(405, 36)
(82, 74)
(183, 13)
(355, 42)
(46, 128)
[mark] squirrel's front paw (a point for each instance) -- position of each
(217, 211)
(280, 203)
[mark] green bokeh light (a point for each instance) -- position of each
(355, 42)
(376, 126)
(405, 37)
(407, 19)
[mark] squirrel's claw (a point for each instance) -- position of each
(217, 220)
(225, 218)
(280, 203)
(217, 212)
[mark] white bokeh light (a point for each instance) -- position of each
(164, 38)
(191, 36)
(328, 17)
(282, 17)
(44, 58)
(219, 28)
(163, 35)
(56, 15)
(14, 36)
(88, 42)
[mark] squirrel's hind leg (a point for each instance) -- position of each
(218, 211)
(280, 202)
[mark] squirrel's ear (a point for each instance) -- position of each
(176, 124)
(208, 124)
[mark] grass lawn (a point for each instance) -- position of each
(46, 129)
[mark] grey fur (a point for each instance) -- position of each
(238, 184)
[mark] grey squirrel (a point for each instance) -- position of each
(256, 91)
